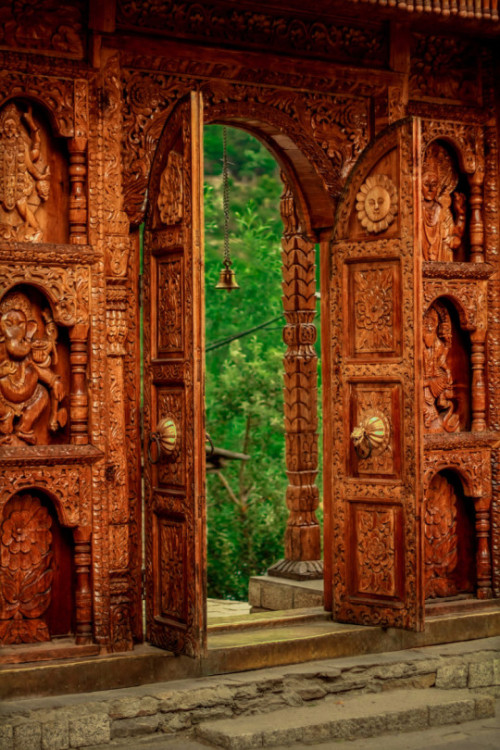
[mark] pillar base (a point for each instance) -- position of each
(266, 593)
(297, 570)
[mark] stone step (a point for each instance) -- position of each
(356, 717)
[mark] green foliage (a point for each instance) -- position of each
(244, 388)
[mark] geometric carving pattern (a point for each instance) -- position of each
(26, 570)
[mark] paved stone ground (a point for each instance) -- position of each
(225, 608)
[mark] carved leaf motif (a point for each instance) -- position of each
(373, 305)
(375, 552)
(170, 199)
(26, 569)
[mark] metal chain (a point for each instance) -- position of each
(225, 198)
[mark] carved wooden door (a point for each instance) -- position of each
(174, 423)
(373, 455)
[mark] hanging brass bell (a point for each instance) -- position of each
(227, 280)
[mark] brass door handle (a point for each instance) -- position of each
(166, 437)
(371, 435)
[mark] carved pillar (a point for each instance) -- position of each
(77, 200)
(478, 360)
(79, 395)
(302, 537)
(483, 556)
(83, 596)
(476, 215)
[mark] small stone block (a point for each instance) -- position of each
(27, 735)
(254, 593)
(496, 671)
(481, 674)
(276, 596)
(451, 676)
(239, 740)
(454, 712)
(89, 730)
(55, 735)
(134, 727)
(485, 706)
(363, 726)
(302, 599)
(128, 708)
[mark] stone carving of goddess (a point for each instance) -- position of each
(442, 232)
(28, 382)
(24, 182)
(439, 414)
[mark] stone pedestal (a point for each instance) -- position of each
(271, 593)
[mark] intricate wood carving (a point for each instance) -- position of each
(246, 28)
(30, 388)
(24, 175)
(26, 570)
(442, 232)
(83, 590)
(302, 536)
(445, 68)
(439, 410)
(377, 203)
(375, 551)
(44, 24)
(375, 326)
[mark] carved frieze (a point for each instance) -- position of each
(445, 68)
(246, 28)
(49, 25)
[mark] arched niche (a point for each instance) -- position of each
(445, 204)
(36, 571)
(34, 205)
(34, 371)
(449, 538)
(447, 370)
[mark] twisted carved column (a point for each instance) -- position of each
(302, 537)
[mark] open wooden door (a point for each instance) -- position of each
(174, 421)
(373, 405)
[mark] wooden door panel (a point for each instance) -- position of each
(174, 387)
(373, 497)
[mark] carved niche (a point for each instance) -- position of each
(33, 178)
(443, 207)
(446, 371)
(33, 385)
(36, 571)
(448, 539)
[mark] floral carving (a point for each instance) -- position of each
(375, 552)
(28, 382)
(26, 570)
(439, 409)
(172, 560)
(442, 235)
(373, 310)
(24, 175)
(377, 203)
(44, 24)
(445, 68)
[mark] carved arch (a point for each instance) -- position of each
(54, 96)
(463, 139)
(473, 469)
(466, 313)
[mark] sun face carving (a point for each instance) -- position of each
(377, 203)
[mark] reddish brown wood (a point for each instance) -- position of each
(302, 536)
(174, 387)
(78, 199)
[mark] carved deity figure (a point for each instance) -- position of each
(28, 382)
(439, 414)
(442, 235)
(24, 182)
